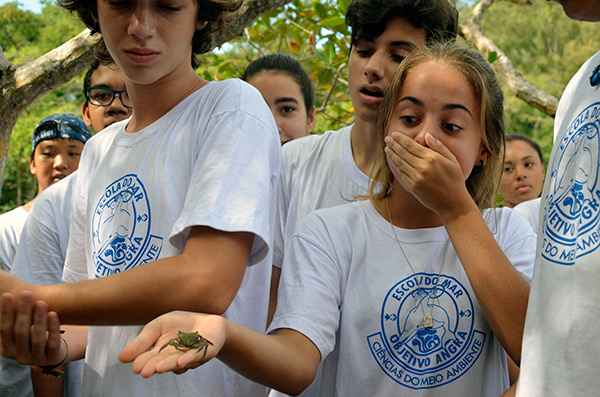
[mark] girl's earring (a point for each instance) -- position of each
(478, 168)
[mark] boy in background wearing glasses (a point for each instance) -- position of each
(41, 253)
(102, 85)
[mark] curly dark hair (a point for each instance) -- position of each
(213, 12)
(368, 18)
(87, 80)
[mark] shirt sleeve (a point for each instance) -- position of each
(41, 254)
(40, 258)
(281, 217)
(517, 239)
(75, 268)
(233, 183)
(309, 275)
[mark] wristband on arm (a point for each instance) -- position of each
(49, 370)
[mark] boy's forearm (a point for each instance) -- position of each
(200, 280)
(141, 294)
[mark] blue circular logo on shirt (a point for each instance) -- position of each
(571, 224)
(121, 226)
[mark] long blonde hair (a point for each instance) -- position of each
(482, 184)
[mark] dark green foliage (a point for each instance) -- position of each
(32, 35)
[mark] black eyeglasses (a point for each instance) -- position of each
(104, 96)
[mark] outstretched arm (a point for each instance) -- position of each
(204, 278)
(286, 361)
(433, 175)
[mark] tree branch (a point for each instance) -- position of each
(22, 85)
(248, 13)
(472, 32)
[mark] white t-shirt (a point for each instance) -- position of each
(530, 209)
(317, 171)
(11, 225)
(560, 343)
(39, 260)
(41, 254)
(211, 160)
(346, 286)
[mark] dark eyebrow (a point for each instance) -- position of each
(401, 43)
(281, 100)
(412, 99)
(396, 43)
(103, 85)
(450, 106)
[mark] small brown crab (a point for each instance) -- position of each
(188, 340)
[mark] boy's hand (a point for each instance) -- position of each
(30, 334)
(164, 328)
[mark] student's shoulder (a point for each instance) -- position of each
(97, 146)
(232, 95)
(14, 214)
(230, 91)
(315, 146)
(499, 215)
(56, 194)
(347, 217)
(507, 222)
(13, 220)
(528, 206)
(107, 135)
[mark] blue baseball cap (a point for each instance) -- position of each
(60, 125)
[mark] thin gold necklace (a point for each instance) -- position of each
(427, 319)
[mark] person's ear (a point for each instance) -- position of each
(32, 168)
(201, 25)
(85, 113)
(484, 156)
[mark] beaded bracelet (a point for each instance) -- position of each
(49, 370)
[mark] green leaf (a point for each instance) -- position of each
(325, 76)
(330, 52)
(320, 10)
(343, 5)
(334, 23)
(492, 57)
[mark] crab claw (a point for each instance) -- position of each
(167, 344)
